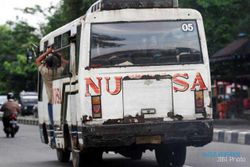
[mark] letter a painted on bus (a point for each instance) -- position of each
(90, 83)
(198, 81)
(117, 85)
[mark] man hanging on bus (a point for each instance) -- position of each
(51, 64)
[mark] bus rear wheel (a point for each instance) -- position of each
(89, 158)
(63, 155)
(168, 156)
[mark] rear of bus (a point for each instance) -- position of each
(146, 79)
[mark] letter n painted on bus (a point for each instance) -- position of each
(95, 87)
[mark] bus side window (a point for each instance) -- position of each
(65, 39)
(57, 42)
(45, 45)
(78, 39)
(62, 48)
(65, 52)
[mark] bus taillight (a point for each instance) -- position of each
(199, 101)
(96, 107)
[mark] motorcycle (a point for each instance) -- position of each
(11, 127)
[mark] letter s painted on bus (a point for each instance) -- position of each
(178, 81)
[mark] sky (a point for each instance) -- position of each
(8, 10)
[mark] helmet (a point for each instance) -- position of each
(10, 95)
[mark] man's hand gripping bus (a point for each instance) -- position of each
(138, 79)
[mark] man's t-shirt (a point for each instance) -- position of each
(48, 74)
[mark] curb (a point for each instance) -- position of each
(231, 136)
(26, 121)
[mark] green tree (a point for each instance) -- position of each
(223, 19)
(68, 11)
(17, 75)
(21, 76)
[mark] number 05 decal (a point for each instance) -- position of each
(187, 27)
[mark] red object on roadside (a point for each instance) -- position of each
(246, 103)
(222, 108)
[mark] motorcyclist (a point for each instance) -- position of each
(10, 107)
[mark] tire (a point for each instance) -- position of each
(12, 134)
(88, 158)
(136, 155)
(63, 155)
(45, 134)
(170, 156)
(94, 157)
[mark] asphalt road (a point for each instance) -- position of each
(26, 150)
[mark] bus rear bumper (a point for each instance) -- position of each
(189, 133)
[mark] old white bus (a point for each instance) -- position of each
(138, 79)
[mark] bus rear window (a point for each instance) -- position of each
(145, 43)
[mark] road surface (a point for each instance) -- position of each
(26, 150)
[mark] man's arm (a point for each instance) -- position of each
(43, 56)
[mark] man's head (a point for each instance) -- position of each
(53, 61)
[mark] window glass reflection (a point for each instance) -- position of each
(145, 43)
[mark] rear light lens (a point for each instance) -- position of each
(199, 102)
(96, 106)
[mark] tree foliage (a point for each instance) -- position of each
(68, 11)
(17, 74)
(223, 20)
